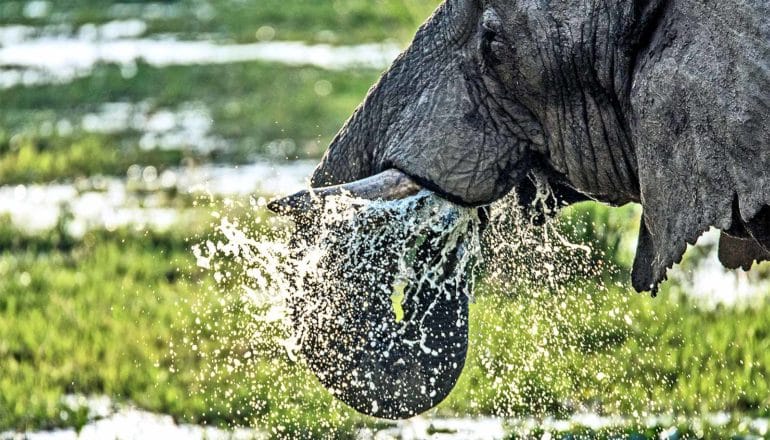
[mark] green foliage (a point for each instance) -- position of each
(611, 232)
(92, 320)
(33, 159)
(114, 314)
(14, 240)
(655, 355)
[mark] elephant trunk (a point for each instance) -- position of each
(382, 320)
(354, 342)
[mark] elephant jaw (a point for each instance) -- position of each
(347, 330)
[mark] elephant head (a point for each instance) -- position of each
(642, 101)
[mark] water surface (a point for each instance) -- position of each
(30, 56)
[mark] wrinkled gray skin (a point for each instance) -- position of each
(666, 104)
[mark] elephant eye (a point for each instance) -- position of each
(492, 41)
(488, 39)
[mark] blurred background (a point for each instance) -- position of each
(125, 124)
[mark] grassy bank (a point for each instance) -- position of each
(92, 317)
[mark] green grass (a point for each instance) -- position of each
(31, 159)
(670, 357)
(98, 315)
(339, 21)
(246, 113)
(92, 318)
(118, 314)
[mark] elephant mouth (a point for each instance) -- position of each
(382, 321)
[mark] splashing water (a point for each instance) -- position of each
(416, 253)
(373, 297)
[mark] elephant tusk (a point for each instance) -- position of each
(391, 184)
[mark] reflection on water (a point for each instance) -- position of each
(188, 127)
(110, 202)
(30, 56)
(108, 419)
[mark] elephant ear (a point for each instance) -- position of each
(699, 113)
(735, 252)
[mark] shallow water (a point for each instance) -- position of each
(187, 127)
(32, 57)
(138, 199)
(107, 419)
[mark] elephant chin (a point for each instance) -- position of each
(381, 361)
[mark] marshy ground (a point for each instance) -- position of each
(110, 173)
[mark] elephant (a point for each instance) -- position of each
(663, 103)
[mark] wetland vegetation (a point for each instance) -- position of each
(110, 311)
